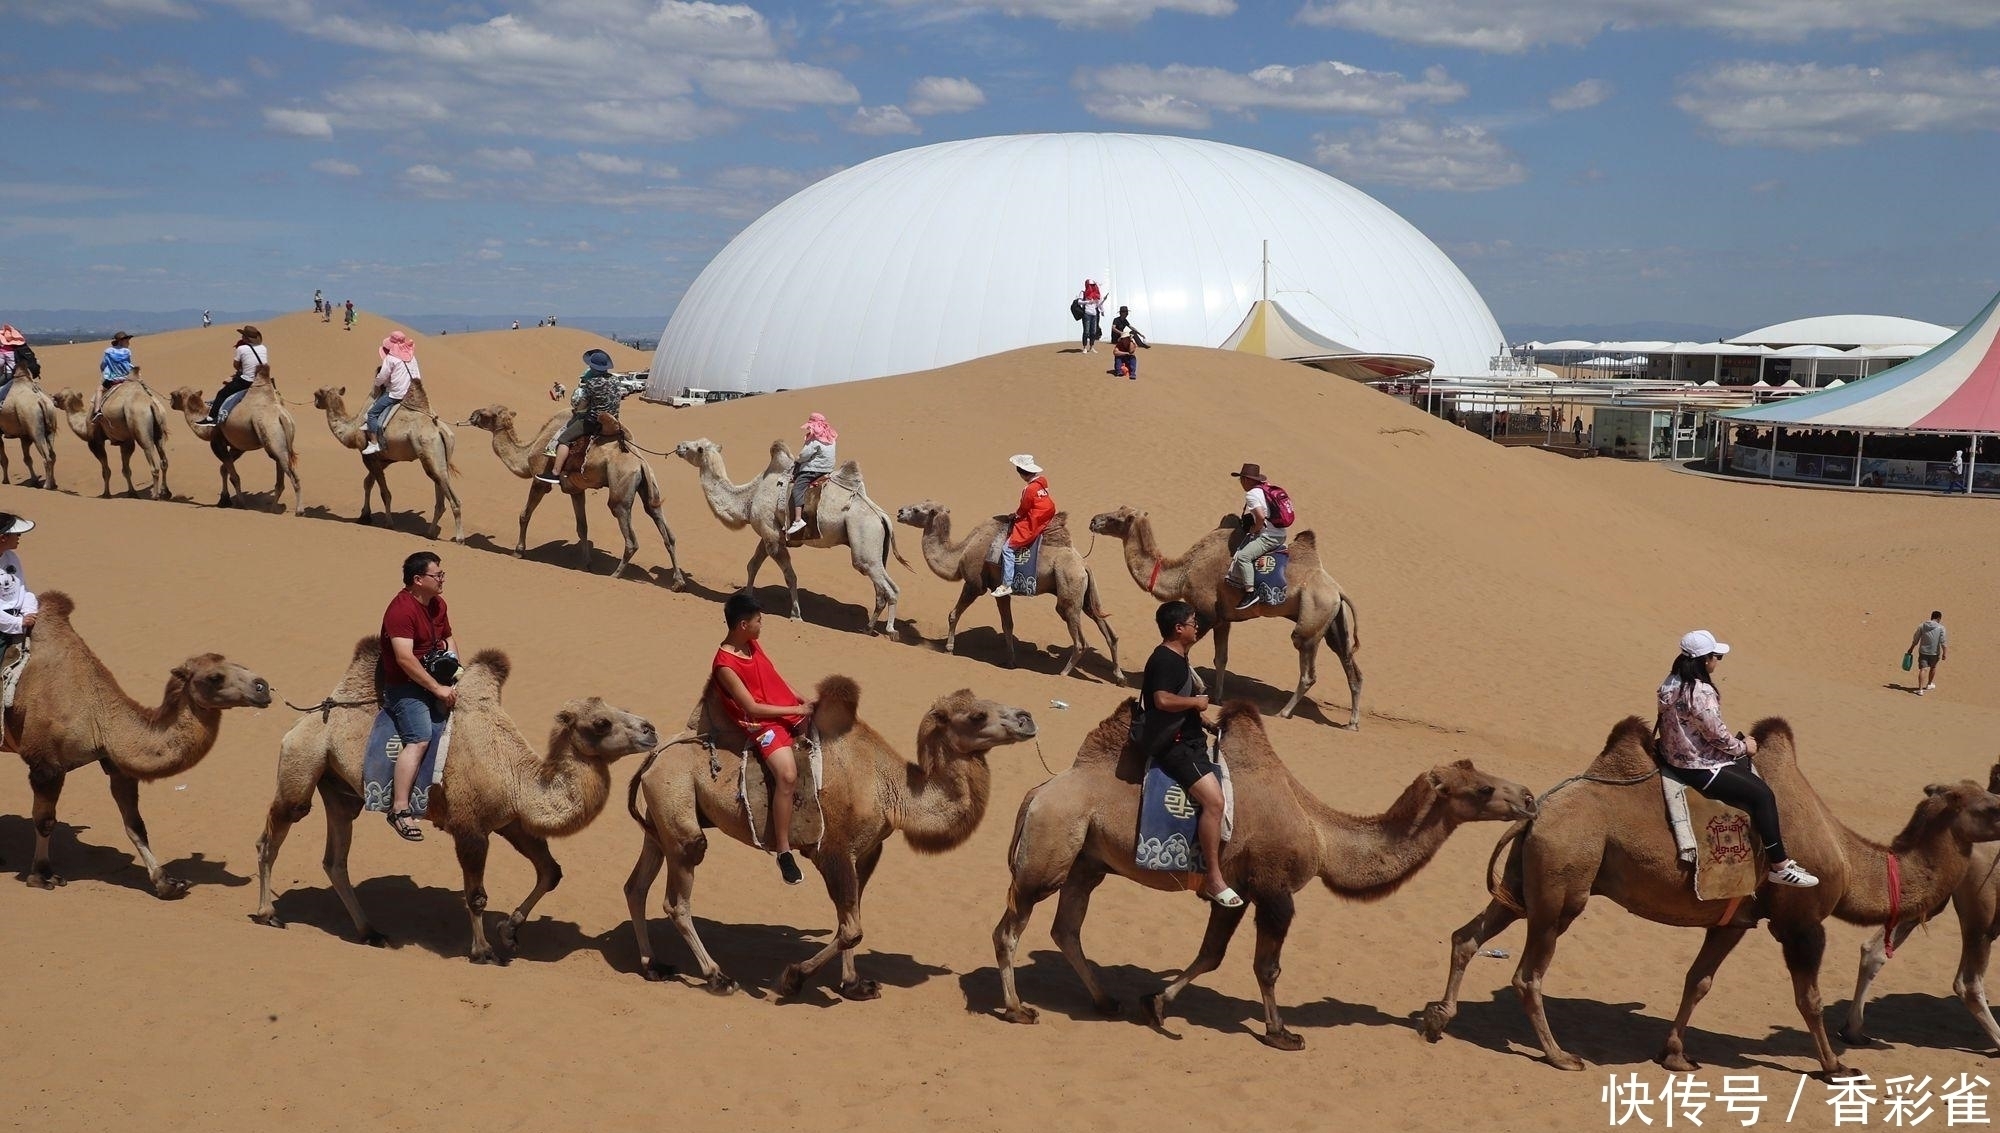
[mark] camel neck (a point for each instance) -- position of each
(1929, 870)
(566, 791)
(939, 554)
(944, 797)
(729, 501)
(1369, 856)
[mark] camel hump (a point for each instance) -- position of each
(1245, 743)
(495, 662)
(56, 604)
(1304, 541)
(1628, 751)
(839, 706)
(848, 476)
(367, 649)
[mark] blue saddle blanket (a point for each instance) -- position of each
(1167, 819)
(1026, 561)
(228, 404)
(378, 766)
(1269, 573)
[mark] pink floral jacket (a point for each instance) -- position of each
(1692, 736)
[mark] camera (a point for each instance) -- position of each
(443, 667)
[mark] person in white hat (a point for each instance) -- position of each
(17, 604)
(1698, 749)
(1031, 517)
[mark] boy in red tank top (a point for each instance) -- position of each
(757, 699)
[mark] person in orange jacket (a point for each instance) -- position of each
(1033, 514)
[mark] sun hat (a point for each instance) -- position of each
(121, 336)
(251, 335)
(1249, 472)
(11, 524)
(10, 337)
(399, 345)
(1701, 643)
(1025, 463)
(597, 359)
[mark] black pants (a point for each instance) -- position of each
(1735, 785)
(229, 389)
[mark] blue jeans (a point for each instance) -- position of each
(414, 711)
(1091, 324)
(377, 410)
(1006, 565)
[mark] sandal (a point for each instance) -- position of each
(404, 823)
(1226, 899)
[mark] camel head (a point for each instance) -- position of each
(1117, 524)
(595, 730)
(697, 451)
(215, 682)
(964, 724)
(187, 399)
(1970, 812)
(1470, 795)
(329, 397)
(921, 514)
(69, 401)
(493, 419)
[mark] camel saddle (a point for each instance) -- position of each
(1717, 840)
(809, 509)
(11, 667)
(609, 430)
(753, 780)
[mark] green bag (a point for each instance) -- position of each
(1907, 662)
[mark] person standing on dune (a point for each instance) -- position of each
(350, 315)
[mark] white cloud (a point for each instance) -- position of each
(774, 84)
(935, 94)
(143, 228)
(1181, 95)
(334, 167)
(1516, 25)
(1072, 13)
(1582, 96)
(1421, 155)
(611, 163)
(489, 254)
(151, 83)
(1812, 105)
(298, 123)
(515, 158)
(104, 13)
(426, 174)
(879, 121)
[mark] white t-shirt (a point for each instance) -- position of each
(14, 593)
(1253, 500)
(395, 376)
(248, 358)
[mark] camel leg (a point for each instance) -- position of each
(1006, 606)
(968, 593)
(548, 875)
(440, 474)
(681, 863)
(783, 555)
(228, 470)
(1073, 618)
(886, 593)
(343, 806)
(844, 887)
(104, 465)
(125, 792)
(1873, 957)
(536, 490)
(864, 868)
(1545, 928)
(47, 783)
(1035, 876)
(125, 463)
(1110, 641)
(1716, 945)
(1308, 647)
(650, 499)
(1490, 922)
(638, 883)
(756, 563)
(1221, 654)
(1975, 949)
(1067, 932)
(278, 822)
(472, 860)
(620, 503)
(48, 447)
(370, 476)
(1214, 943)
(1340, 636)
(156, 457)
(1274, 920)
(576, 502)
(6, 473)
(1804, 946)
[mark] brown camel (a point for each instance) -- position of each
(69, 712)
(494, 783)
(1977, 901)
(1608, 837)
(627, 476)
(133, 417)
(259, 421)
(1082, 826)
(1314, 602)
(1059, 570)
(413, 433)
(868, 793)
(29, 416)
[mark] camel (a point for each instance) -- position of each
(847, 517)
(413, 433)
(1082, 826)
(133, 417)
(1601, 835)
(259, 421)
(1320, 609)
(1977, 901)
(868, 793)
(494, 783)
(29, 416)
(626, 475)
(1059, 570)
(70, 712)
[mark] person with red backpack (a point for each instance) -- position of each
(1267, 514)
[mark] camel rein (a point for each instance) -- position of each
(325, 707)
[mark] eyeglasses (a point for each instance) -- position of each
(439, 576)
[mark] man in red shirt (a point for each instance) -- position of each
(415, 628)
(758, 701)
(1031, 517)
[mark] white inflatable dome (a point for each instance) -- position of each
(954, 251)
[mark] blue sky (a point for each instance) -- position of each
(1723, 162)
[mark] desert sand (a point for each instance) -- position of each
(1513, 606)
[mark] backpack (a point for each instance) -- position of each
(1076, 309)
(1282, 514)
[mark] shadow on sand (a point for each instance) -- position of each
(76, 860)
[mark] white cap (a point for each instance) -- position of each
(11, 524)
(1701, 643)
(1025, 463)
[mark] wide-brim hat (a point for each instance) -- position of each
(121, 336)
(597, 359)
(11, 524)
(11, 337)
(1249, 472)
(399, 346)
(251, 334)
(1025, 463)
(1701, 643)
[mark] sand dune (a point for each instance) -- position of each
(1512, 607)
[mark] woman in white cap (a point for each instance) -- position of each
(392, 385)
(17, 604)
(1698, 749)
(1031, 517)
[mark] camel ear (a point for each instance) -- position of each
(1436, 783)
(565, 719)
(342, 391)
(1935, 789)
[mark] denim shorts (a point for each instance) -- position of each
(415, 711)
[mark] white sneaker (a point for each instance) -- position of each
(371, 449)
(797, 526)
(1790, 873)
(1930, 686)
(1002, 592)
(1920, 692)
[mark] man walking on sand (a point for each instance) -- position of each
(1929, 644)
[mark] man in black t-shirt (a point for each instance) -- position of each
(1171, 736)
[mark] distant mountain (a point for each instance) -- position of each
(1619, 332)
(72, 325)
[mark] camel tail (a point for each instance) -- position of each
(450, 439)
(291, 438)
(632, 793)
(1496, 884)
(1352, 620)
(1092, 604)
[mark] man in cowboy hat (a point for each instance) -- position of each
(115, 368)
(597, 391)
(1031, 517)
(250, 360)
(1260, 535)
(17, 604)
